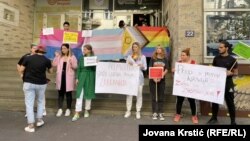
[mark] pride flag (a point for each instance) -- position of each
(156, 36)
(106, 43)
(242, 50)
(53, 42)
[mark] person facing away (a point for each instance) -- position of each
(158, 59)
(34, 86)
(66, 26)
(185, 58)
(85, 80)
(66, 64)
(225, 60)
(33, 48)
(136, 59)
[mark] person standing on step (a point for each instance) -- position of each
(158, 59)
(85, 80)
(33, 48)
(66, 64)
(185, 58)
(34, 86)
(136, 59)
(225, 60)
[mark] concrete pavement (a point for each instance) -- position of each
(98, 127)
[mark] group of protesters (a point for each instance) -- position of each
(73, 75)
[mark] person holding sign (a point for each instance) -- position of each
(136, 59)
(66, 64)
(185, 58)
(224, 60)
(66, 26)
(85, 80)
(157, 85)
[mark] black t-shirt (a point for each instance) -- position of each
(225, 62)
(20, 62)
(35, 69)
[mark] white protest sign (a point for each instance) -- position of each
(90, 61)
(48, 31)
(200, 82)
(87, 33)
(117, 78)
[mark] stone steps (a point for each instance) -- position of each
(12, 97)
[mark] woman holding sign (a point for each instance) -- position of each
(157, 85)
(66, 64)
(185, 58)
(85, 80)
(136, 59)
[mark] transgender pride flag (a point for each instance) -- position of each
(106, 43)
(54, 42)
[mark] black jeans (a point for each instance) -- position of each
(229, 98)
(61, 94)
(157, 104)
(179, 103)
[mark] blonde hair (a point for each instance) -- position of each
(139, 51)
(163, 54)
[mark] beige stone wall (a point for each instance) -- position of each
(15, 40)
(185, 15)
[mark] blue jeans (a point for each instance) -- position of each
(32, 91)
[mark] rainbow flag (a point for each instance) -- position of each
(155, 36)
(106, 43)
(54, 42)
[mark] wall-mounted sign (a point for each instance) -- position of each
(137, 4)
(189, 33)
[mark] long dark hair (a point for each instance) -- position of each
(67, 46)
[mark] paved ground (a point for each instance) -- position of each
(95, 128)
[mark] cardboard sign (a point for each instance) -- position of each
(201, 82)
(155, 72)
(70, 37)
(90, 61)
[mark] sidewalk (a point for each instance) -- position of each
(95, 128)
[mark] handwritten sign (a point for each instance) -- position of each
(70, 37)
(117, 78)
(87, 33)
(200, 82)
(155, 72)
(90, 61)
(48, 31)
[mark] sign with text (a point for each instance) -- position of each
(205, 83)
(90, 61)
(70, 37)
(117, 78)
(155, 72)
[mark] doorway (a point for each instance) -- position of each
(141, 20)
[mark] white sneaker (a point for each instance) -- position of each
(25, 115)
(138, 115)
(154, 117)
(86, 113)
(67, 113)
(59, 113)
(44, 113)
(161, 117)
(127, 114)
(40, 123)
(29, 129)
(76, 117)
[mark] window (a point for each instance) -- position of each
(225, 20)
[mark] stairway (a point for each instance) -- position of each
(12, 97)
